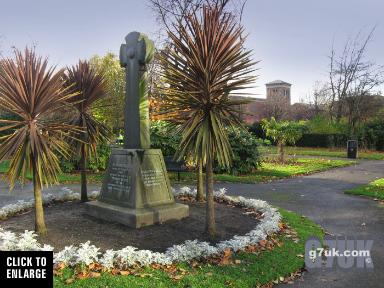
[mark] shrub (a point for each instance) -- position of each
(164, 137)
(246, 156)
(373, 134)
(95, 164)
(320, 124)
(257, 129)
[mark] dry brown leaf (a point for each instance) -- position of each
(60, 266)
(82, 275)
(69, 280)
(262, 243)
(226, 258)
(94, 274)
(176, 277)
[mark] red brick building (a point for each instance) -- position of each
(277, 103)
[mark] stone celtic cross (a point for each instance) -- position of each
(134, 56)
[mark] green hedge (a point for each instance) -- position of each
(322, 140)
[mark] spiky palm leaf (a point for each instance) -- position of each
(206, 65)
(89, 84)
(33, 92)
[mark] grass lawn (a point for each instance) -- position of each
(63, 177)
(374, 189)
(271, 171)
(327, 152)
(268, 171)
(252, 271)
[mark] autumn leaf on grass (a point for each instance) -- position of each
(60, 266)
(251, 249)
(69, 280)
(282, 225)
(143, 275)
(262, 243)
(82, 275)
(195, 264)
(156, 266)
(176, 277)
(94, 274)
(226, 258)
(95, 266)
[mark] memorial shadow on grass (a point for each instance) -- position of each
(68, 225)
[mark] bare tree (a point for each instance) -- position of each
(320, 96)
(351, 78)
(277, 107)
(169, 13)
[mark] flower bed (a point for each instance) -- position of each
(86, 253)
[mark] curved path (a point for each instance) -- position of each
(321, 197)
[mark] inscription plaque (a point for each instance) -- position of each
(120, 183)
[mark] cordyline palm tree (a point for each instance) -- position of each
(90, 88)
(33, 92)
(204, 66)
(283, 132)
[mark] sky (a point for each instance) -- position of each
(291, 39)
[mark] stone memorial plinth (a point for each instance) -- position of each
(136, 190)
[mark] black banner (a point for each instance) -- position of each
(26, 268)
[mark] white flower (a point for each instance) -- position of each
(68, 256)
(8, 241)
(236, 243)
(28, 242)
(87, 253)
(126, 257)
(190, 250)
(94, 194)
(47, 247)
(108, 259)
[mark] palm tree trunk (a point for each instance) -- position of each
(40, 227)
(200, 182)
(83, 167)
(281, 152)
(210, 206)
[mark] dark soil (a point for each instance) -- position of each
(68, 224)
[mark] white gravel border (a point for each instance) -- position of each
(86, 253)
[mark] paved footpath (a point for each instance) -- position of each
(320, 197)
